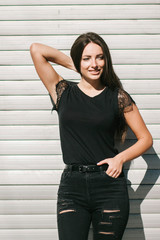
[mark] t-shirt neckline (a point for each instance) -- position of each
(90, 96)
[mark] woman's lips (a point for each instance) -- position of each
(94, 71)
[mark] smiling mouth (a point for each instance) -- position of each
(94, 71)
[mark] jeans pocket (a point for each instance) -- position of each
(120, 177)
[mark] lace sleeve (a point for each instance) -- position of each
(125, 101)
(60, 87)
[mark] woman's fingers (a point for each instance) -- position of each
(114, 175)
(114, 167)
(113, 172)
(102, 162)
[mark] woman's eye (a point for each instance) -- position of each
(87, 58)
(101, 57)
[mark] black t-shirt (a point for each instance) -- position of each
(87, 125)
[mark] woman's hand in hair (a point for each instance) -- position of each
(42, 55)
(115, 165)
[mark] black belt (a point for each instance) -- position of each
(87, 168)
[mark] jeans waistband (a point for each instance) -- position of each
(86, 168)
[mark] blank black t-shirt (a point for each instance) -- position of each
(87, 125)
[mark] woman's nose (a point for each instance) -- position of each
(93, 63)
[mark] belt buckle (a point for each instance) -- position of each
(82, 168)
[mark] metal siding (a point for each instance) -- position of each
(30, 153)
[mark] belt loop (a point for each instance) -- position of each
(70, 168)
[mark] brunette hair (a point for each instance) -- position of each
(108, 77)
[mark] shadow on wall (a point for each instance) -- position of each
(151, 175)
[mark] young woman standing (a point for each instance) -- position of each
(91, 113)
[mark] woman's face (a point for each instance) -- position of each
(92, 61)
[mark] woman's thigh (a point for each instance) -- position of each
(111, 208)
(73, 222)
(73, 216)
(109, 224)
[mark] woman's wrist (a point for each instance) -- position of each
(53, 55)
(121, 158)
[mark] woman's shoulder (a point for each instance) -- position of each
(122, 99)
(62, 85)
(125, 101)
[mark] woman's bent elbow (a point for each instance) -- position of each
(33, 47)
(150, 141)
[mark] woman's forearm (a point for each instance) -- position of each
(53, 55)
(137, 149)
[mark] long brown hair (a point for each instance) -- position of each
(108, 77)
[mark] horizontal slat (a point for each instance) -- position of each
(46, 117)
(49, 192)
(118, 57)
(147, 221)
(31, 162)
(145, 207)
(27, 221)
(40, 192)
(37, 87)
(65, 42)
(144, 162)
(29, 132)
(30, 177)
(50, 234)
(123, 71)
(142, 86)
(143, 176)
(28, 206)
(50, 206)
(44, 102)
(29, 234)
(33, 117)
(30, 147)
(73, 2)
(79, 12)
(51, 147)
(51, 132)
(53, 176)
(56, 162)
(64, 27)
(49, 221)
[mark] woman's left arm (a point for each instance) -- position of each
(144, 142)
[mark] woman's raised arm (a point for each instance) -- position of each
(41, 55)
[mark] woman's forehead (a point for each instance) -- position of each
(92, 49)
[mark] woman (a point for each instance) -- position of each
(91, 113)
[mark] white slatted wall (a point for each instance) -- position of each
(30, 153)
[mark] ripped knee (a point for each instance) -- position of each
(65, 211)
(108, 233)
(111, 211)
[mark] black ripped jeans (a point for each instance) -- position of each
(92, 197)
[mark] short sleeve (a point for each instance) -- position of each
(60, 87)
(125, 101)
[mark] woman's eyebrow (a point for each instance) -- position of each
(90, 55)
